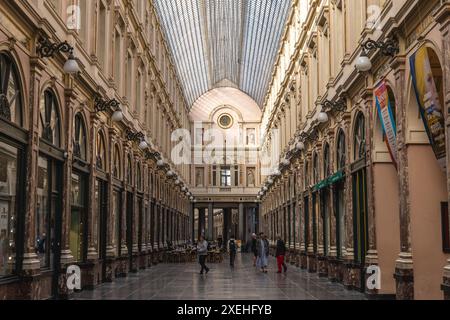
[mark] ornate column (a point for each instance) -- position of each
(123, 267)
(372, 253)
(404, 273)
(348, 255)
(442, 16)
(110, 245)
(30, 262)
(332, 254)
(66, 254)
(210, 221)
(92, 254)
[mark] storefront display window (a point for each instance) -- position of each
(8, 208)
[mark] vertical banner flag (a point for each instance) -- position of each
(387, 119)
(428, 100)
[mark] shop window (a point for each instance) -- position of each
(48, 211)
(50, 123)
(9, 157)
(79, 141)
(77, 217)
(10, 97)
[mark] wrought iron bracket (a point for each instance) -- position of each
(102, 105)
(389, 48)
(134, 136)
(340, 105)
(47, 49)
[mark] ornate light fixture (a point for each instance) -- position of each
(322, 117)
(300, 146)
(160, 163)
(339, 105)
(101, 105)
(388, 48)
(138, 137)
(46, 49)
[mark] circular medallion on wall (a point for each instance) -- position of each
(225, 121)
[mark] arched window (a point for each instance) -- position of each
(359, 144)
(101, 152)
(326, 161)
(10, 91)
(117, 172)
(307, 180)
(50, 122)
(316, 171)
(138, 177)
(341, 159)
(79, 140)
(129, 172)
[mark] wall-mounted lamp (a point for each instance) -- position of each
(46, 49)
(339, 105)
(138, 137)
(101, 105)
(322, 117)
(300, 146)
(388, 48)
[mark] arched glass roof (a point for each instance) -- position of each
(223, 43)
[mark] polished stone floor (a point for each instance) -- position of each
(244, 282)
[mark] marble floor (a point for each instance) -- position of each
(244, 282)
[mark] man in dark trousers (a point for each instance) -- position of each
(280, 254)
(232, 246)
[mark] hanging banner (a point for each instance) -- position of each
(384, 108)
(428, 100)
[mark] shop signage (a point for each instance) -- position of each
(384, 108)
(428, 100)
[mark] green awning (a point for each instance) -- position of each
(338, 176)
(321, 185)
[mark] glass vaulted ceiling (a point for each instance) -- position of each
(224, 43)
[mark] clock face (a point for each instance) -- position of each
(225, 121)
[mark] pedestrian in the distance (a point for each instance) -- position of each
(280, 254)
(263, 252)
(232, 247)
(254, 248)
(202, 251)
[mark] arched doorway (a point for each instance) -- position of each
(427, 172)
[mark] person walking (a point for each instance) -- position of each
(280, 254)
(232, 247)
(263, 252)
(202, 251)
(254, 248)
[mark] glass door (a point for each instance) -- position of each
(101, 192)
(129, 228)
(360, 226)
(78, 217)
(48, 217)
